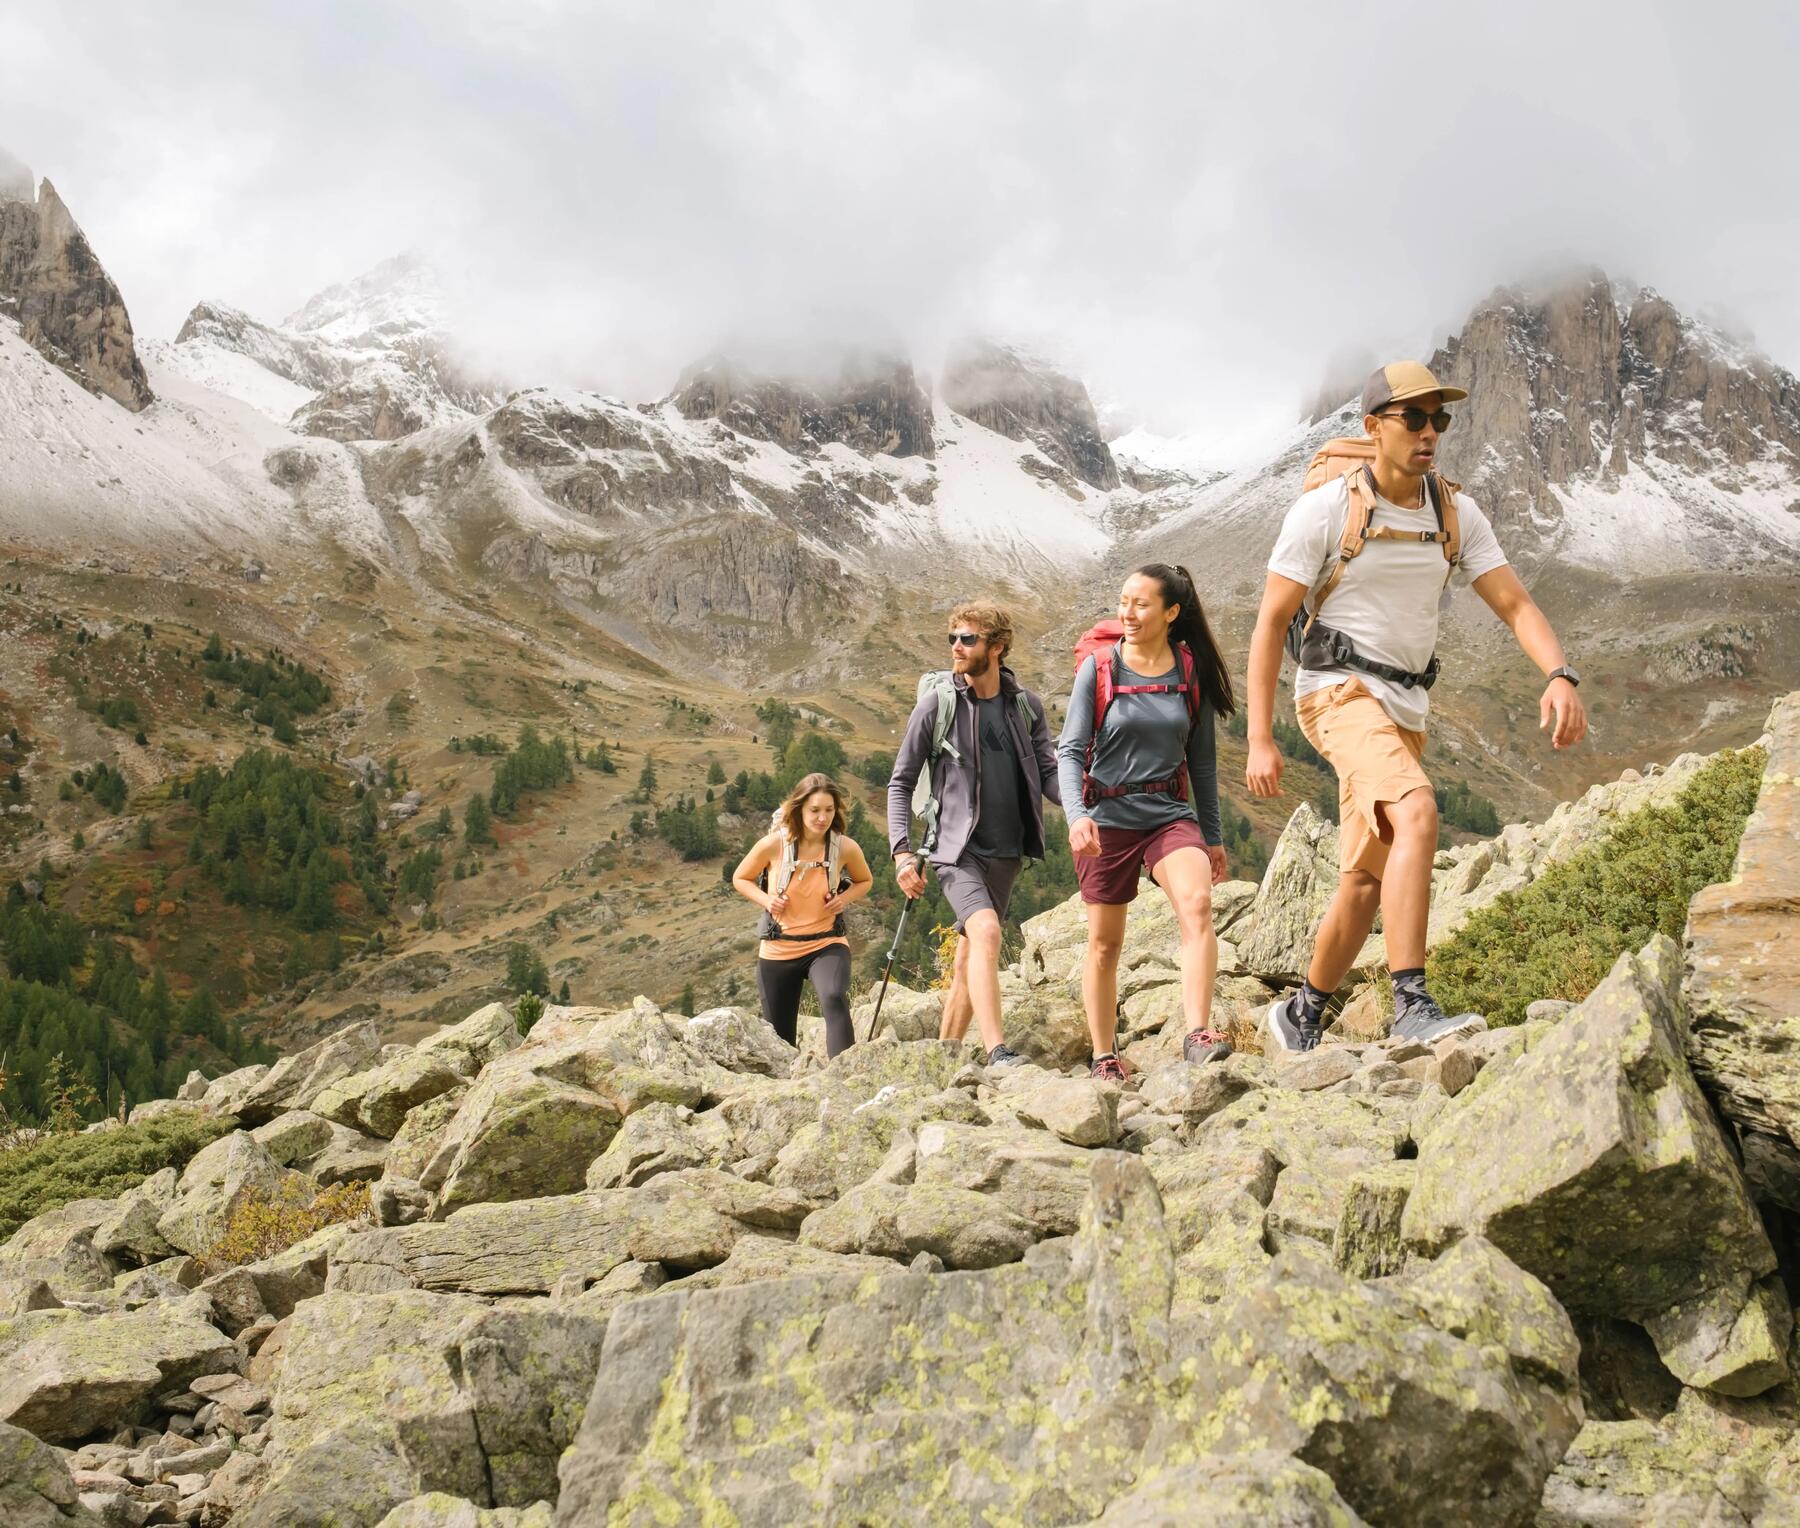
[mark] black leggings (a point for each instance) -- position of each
(779, 982)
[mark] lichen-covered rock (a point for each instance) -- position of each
(517, 1134)
(963, 1228)
(662, 1138)
(1275, 941)
(1743, 982)
(385, 1397)
(293, 1137)
(296, 1081)
(1076, 1109)
(378, 1100)
(1708, 1459)
(1197, 1091)
(64, 1375)
(130, 1232)
(686, 1220)
(1041, 1391)
(1264, 1490)
(739, 1042)
(1367, 1242)
(1593, 1160)
(1732, 1339)
(438, 1509)
(1041, 1179)
(224, 1094)
(1305, 1127)
(36, 1490)
(57, 1248)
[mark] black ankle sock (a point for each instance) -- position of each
(1106, 1056)
(1312, 1003)
(1408, 983)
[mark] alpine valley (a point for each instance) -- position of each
(338, 539)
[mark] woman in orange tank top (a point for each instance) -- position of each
(803, 934)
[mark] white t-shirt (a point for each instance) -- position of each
(1389, 598)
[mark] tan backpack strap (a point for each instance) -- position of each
(1359, 507)
(1447, 492)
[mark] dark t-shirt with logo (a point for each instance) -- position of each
(1000, 829)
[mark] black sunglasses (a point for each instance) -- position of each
(1415, 419)
(964, 638)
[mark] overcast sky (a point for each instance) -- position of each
(1197, 206)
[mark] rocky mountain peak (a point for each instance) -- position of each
(66, 304)
(873, 405)
(1025, 399)
(1585, 386)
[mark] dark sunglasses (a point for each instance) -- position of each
(964, 638)
(1415, 419)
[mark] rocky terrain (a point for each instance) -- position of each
(630, 1267)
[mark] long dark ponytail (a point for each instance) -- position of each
(1177, 586)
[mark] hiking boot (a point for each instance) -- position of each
(1286, 1029)
(1205, 1045)
(1419, 1018)
(1107, 1069)
(1001, 1056)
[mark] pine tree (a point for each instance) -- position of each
(647, 779)
(478, 821)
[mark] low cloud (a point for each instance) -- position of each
(1206, 212)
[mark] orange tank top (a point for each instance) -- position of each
(806, 894)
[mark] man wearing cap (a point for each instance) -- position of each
(1364, 707)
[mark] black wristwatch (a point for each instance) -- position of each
(1565, 672)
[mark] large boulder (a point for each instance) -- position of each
(1276, 940)
(1743, 981)
(378, 1100)
(1266, 1490)
(36, 1490)
(959, 1227)
(1594, 1161)
(64, 1375)
(58, 1248)
(1042, 1180)
(296, 1081)
(740, 1042)
(1042, 1391)
(683, 1219)
(538, 1115)
(384, 1397)
(130, 1233)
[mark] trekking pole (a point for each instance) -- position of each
(888, 969)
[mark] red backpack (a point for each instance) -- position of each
(1102, 642)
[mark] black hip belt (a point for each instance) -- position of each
(1325, 647)
(772, 930)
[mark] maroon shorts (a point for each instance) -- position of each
(1111, 876)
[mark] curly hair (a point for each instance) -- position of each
(993, 621)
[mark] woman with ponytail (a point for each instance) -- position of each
(1140, 786)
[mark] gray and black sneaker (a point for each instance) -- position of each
(1001, 1055)
(1286, 1027)
(1419, 1018)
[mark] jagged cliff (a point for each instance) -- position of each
(66, 305)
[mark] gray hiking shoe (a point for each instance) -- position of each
(1001, 1055)
(1285, 1028)
(1419, 1018)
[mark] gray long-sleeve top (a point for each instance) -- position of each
(956, 781)
(1142, 739)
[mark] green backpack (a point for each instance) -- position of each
(940, 684)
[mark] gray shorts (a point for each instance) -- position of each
(974, 883)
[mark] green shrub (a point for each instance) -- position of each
(99, 1165)
(1561, 934)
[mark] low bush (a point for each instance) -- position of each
(100, 1164)
(262, 1224)
(1561, 934)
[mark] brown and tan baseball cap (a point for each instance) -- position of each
(1400, 380)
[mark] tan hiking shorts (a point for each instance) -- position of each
(1376, 760)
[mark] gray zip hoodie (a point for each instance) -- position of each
(956, 782)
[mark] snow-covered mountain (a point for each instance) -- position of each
(748, 508)
(373, 357)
